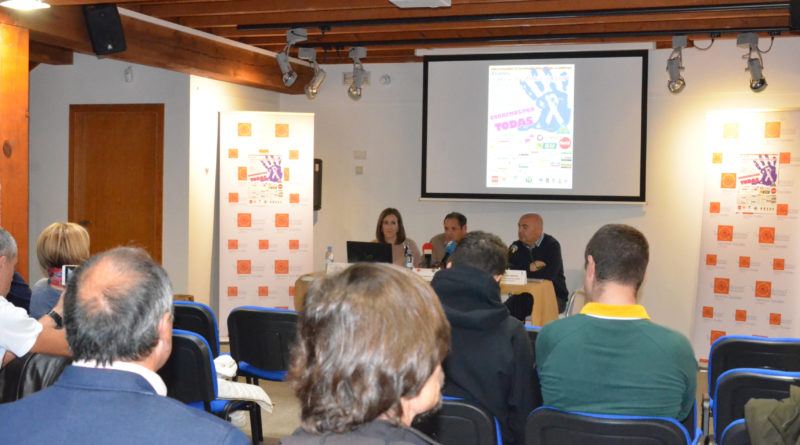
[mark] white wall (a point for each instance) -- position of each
(208, 98)
(387, 124)
(93, 81)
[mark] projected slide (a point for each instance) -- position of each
(530, 137)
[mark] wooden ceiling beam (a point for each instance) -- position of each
(316, 33)
(162, 47)
(51, 55)
(167, 9)
(400, 32)
(490, 9)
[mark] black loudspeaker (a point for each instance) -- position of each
(105, 28)
(317, 184)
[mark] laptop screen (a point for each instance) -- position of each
(359, 251)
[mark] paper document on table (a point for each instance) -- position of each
(515, 277)
(425, 273)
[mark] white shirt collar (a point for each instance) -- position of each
(152, 378)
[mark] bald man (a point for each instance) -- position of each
(540, 255)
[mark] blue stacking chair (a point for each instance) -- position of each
(198, 318)
(736, 386)
(191, 378)
(743, 351)
(547, 425)
(735, 434)
(261, 340)
(461, 422)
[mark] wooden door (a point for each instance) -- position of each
(116, 174)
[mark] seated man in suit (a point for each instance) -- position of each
(19, 333)
(455, 227)
(539, 254)
(490, 359)
(610, 358)
(117, 314)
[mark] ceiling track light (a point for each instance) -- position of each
(359, 74)
(676, 82)
(312, 88)
(755, 64)
(293, 36)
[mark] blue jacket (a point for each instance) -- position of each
(88, 406)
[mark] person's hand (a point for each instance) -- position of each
(537, 265)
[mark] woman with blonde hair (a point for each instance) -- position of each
(61, 243)
(371, 341)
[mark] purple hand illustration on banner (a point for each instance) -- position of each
(769, 174)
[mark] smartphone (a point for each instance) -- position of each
(66, 273)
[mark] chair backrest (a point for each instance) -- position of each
(742, 351)
(30, 373)
(262, 337)
(189, 372)
(735, 434)
(198, 318)
(736, 386)
(460, 422)
(548, 425)
(533, 332)
(575, 302)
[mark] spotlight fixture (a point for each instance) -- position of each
(293, 36)
(25, 5)
(359, 74)
(676, 82)
(755, 64)
(312, 88)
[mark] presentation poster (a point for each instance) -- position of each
(530, 134)
(266, 208)
(748, 282)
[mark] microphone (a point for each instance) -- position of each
(512, 250)
(448, 249)
(427, 250)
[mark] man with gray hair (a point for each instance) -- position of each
(118, 318)
(19, 333)
(490, 359)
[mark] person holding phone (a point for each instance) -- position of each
(60, 245)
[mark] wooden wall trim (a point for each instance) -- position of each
(14, 138)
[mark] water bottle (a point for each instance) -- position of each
(329, 255)
(409, 257)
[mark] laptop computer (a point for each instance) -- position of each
(359, 251)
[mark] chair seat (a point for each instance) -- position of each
(248, 369)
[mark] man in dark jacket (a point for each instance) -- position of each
(490, 360)
(539, 254)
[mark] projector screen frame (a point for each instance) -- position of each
(553, 198)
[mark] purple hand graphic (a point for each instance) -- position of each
(769, 174)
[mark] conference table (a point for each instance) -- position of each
(545, 306)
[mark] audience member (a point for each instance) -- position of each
(58, 244)
(390, 230)
(490, 359)
(455, 227)
(119, 325)
(19, 333)
(20, 293)
(611, 359)
(368, 358)
(540, 255)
